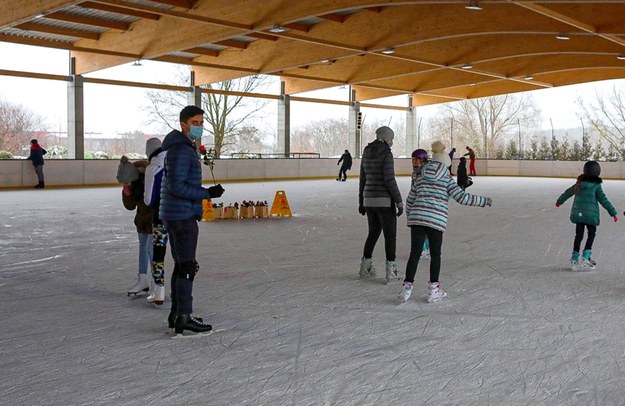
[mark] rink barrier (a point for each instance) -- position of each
(19, 174)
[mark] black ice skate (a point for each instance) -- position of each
(191, 323)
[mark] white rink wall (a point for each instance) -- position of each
(15, 174)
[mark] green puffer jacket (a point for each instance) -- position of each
(589, 195)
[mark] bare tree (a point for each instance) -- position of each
(18, 125)
(225, 114)
(327, 137)
(485, 123)
(606, 116)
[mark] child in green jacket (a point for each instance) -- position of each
(585, 211)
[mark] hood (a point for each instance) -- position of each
(175, 137)
(433, 171)
(590, 179)
(375, 149)
(442, 157)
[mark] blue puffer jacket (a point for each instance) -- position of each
(181, 189)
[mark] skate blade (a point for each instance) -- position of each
(436, 300)
(156, 302)
(581, 268)
(137, 294)
(190, 334)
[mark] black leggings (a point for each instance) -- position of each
(579, 236)
(381, 219)
(418, 235)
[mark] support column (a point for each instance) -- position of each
(411, 127)
(354, 125)
(283, 143)
(75, 114)
(194, 97)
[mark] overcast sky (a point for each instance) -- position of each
(112, 109)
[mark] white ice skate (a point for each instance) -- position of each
(367, 270)
(405, 293)
(435, 293)
(425, 254)
(392, 272)
(142, 285)
(157, 296)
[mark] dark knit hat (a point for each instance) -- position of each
(592, 168)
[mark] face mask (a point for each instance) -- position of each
(195, 131)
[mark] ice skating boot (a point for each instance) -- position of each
(391, 271)
(191, 323)
(405, 293)
(425, 254)
(587, 263)
(575, 260)
(157, 296)
(435, 293)
(367, 270)
(142, 285)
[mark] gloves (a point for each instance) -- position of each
(400, 208)
(615, 219)
(557, 204)
(489, 201)
(361, 210)
(215, 191)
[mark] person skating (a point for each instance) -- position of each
(346, 158)
(380, 200)
(462, 179)
(36, 157)
(426, 214)
(472, 159)
(585, 212)
(132, 176)
(152, 198)
(181, 208)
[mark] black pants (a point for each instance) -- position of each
(343, 171)
(183, 235)
(418, 234)
(381, 219)
(579, 236)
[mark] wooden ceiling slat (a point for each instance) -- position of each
(12, 14)
(120, 10)
(30, 26)
(177, 3)
(93, 21)
(233, 44)
(203, 51)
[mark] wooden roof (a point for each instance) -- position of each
(437, 51)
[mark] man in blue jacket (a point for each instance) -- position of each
(181, 208)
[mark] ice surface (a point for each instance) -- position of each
(296, 325)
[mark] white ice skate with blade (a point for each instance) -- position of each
(435, 293)
(367, 270)
(392, 272)
(405, 293)
(157, 296)
(142, 285)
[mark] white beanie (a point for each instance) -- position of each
(384, 133)
(152, 145)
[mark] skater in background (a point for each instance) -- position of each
(472, 159)
(152, 198)
(181, 208)
(346, 158)
(439, 154)
(585, 211)
(36, 157)
(462, 179)
(426, 213)
(451, 159)
(132, 176)
(379, 198)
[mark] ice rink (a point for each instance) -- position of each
(294, 324)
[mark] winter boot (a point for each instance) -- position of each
(142, 285)
(367, 270)
(435, 293)
(191, 323)
(157, 296)
(405, 293)
(391, 271)
(575, 258)
(587, 262)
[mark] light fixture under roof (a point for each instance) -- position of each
(473, 5)
(621, 57)
(40, 15)
(137, 63)
(528, 77)
(563, 36)
(277, 28)
(388, 51)
(467, 66)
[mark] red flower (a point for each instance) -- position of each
(202, 149)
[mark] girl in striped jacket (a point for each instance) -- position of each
(427, 212)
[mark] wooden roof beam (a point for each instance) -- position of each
(297, 27)
(231, 43)
(260, 35)
(337, 18)
(93, 21)
(203, 51)
(13, 14)
(119, 10)
(188, 4)
(50, 29)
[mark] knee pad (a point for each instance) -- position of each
(188, 270)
